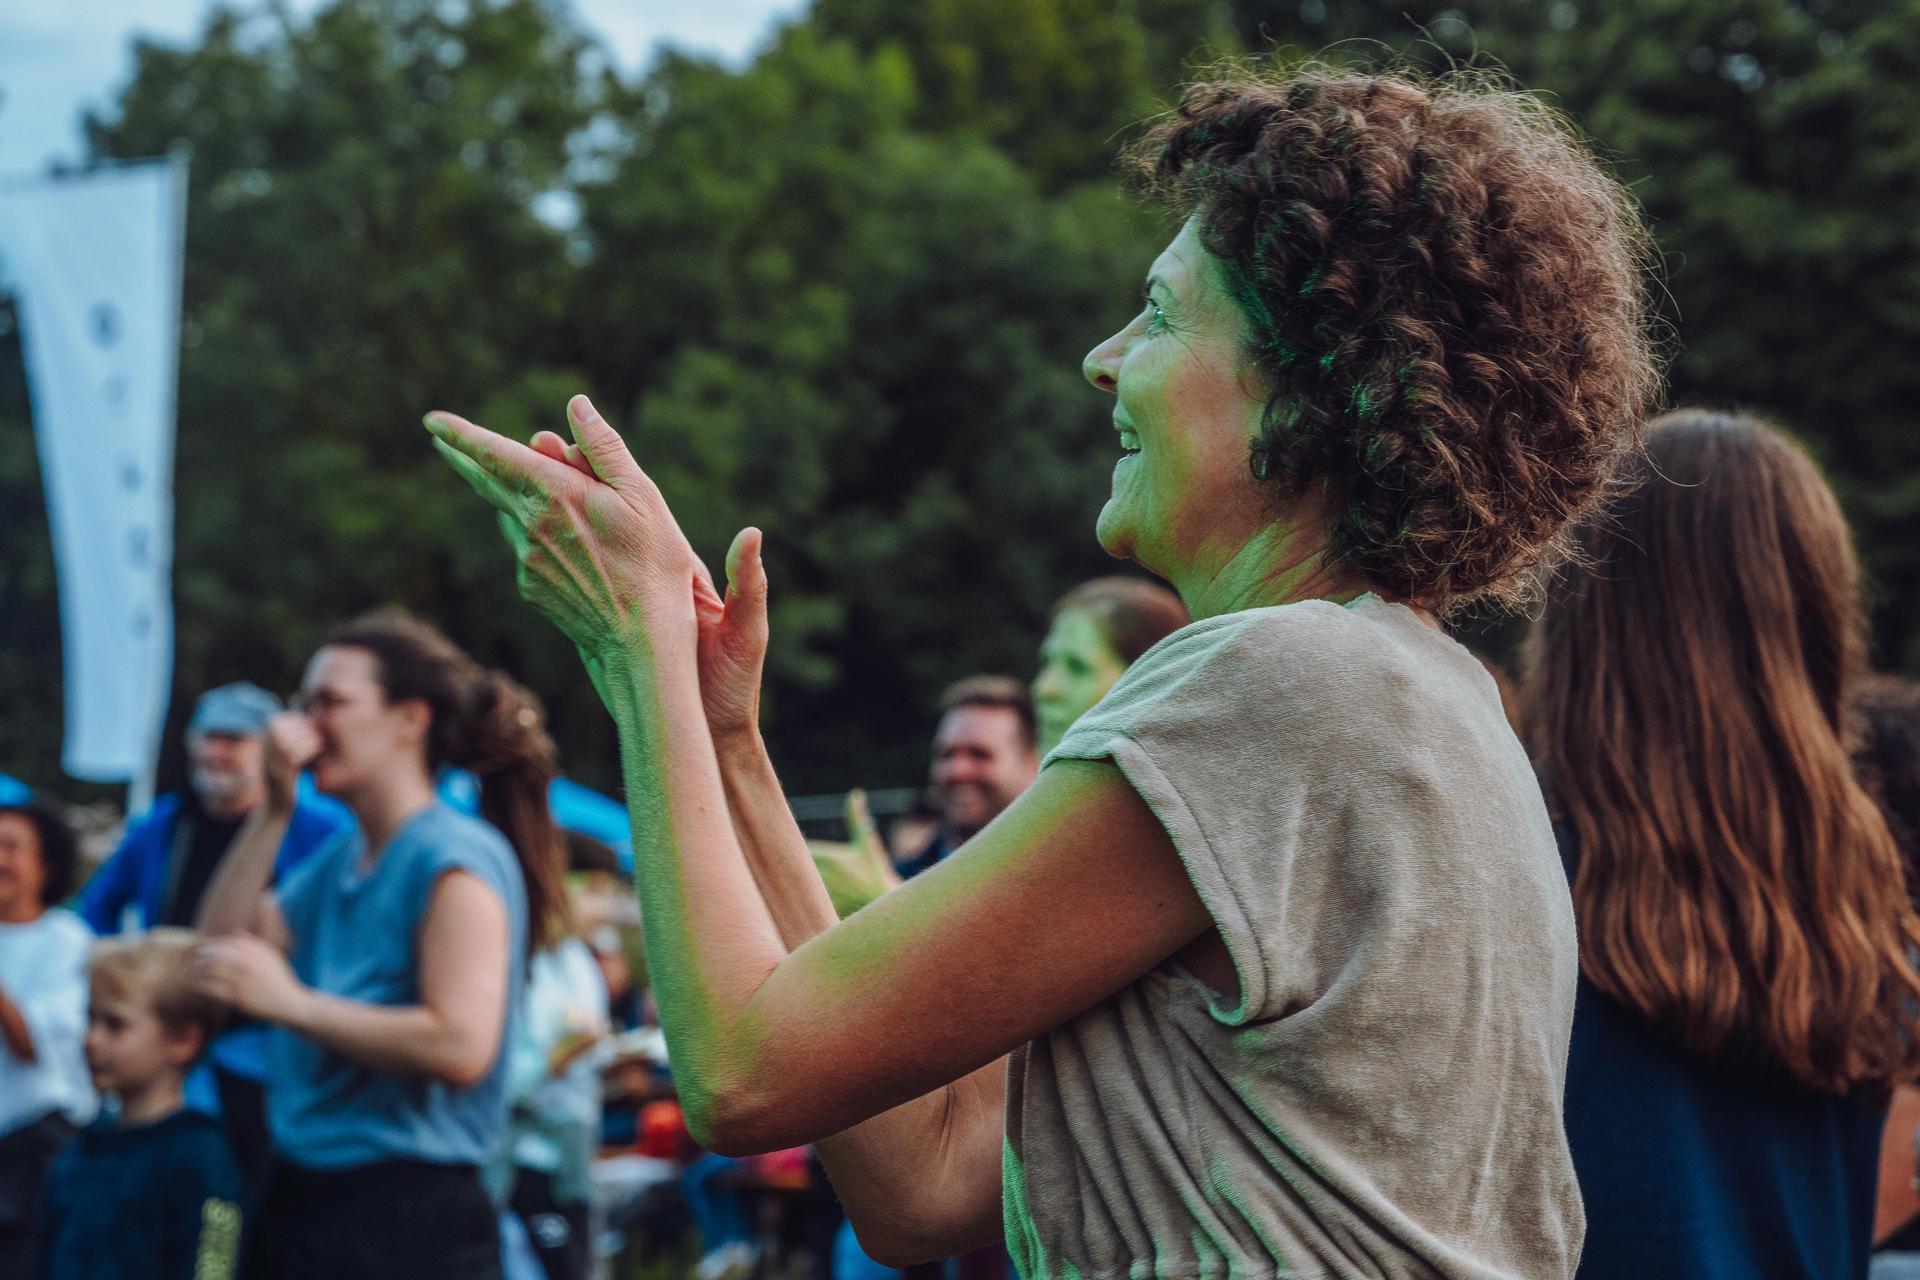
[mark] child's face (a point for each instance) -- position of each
(130, 1049)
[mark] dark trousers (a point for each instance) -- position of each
(243, 1113)
(557, 1230)
(26, 1153)
(391, 1220)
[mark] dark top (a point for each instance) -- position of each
(148, 1201)
(937, 850)
(1701, 1172)
(200, 841)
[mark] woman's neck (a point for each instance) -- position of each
(1278, 564)
(386, 805)
(21, 910)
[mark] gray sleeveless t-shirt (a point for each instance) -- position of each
(1383, 1097)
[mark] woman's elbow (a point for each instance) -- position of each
(730, 1121)
(464, 1063)
(460, 1074)
(904, 1236)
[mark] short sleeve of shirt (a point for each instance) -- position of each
(448, 841)
(1239, 733)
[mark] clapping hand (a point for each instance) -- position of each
(598, 550)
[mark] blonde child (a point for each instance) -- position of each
(150, 1189)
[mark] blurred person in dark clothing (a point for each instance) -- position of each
(150, 1190)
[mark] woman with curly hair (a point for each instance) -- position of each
(1272, 969)
(1747, 945)
(389, 962)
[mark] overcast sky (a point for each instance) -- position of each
(60, 56)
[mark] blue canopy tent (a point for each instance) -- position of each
(575, 808)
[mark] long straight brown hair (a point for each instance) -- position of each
(1683, 701)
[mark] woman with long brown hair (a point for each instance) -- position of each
(1748, 989)
(390, 960)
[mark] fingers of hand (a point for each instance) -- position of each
(213, 969)
(551, 445)
(293, 738)
(496, 494)
(515, 467)
(859, 813)
(605, 452)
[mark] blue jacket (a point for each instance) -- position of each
(134, 881)
(136, 875)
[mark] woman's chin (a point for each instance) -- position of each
(1114, 530)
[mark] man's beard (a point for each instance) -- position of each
(221, 790)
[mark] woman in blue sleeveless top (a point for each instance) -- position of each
(1746, 944)
(390, 961)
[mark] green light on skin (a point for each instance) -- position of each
(1023, 1237)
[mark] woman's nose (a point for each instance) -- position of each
(1102, 365)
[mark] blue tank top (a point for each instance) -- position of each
(355, 933)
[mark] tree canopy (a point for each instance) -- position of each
(842, 291)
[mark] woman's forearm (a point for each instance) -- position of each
(920, 1181)
(711, 940)
(233, 897)
(774, 846)
(405, 1040)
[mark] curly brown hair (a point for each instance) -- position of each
(1446, 296)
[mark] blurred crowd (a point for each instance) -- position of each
(321, 1014)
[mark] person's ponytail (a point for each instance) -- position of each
(506, 746)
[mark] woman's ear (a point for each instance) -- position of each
(416, 719)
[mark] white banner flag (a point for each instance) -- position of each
(94, 260)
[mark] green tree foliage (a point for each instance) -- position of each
(361, 246)
(842, 292)
(1050, 82)
(866, 339)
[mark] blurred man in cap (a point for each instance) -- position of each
(168, 856)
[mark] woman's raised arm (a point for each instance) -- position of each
(1070, 894)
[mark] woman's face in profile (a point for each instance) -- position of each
(1077, 667)
(1185, 409)
(362, 735)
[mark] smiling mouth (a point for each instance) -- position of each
(1129, 442)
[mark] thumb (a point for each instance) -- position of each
(746, 576)
(602, 446)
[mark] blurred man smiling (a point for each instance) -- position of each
(983, 757)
